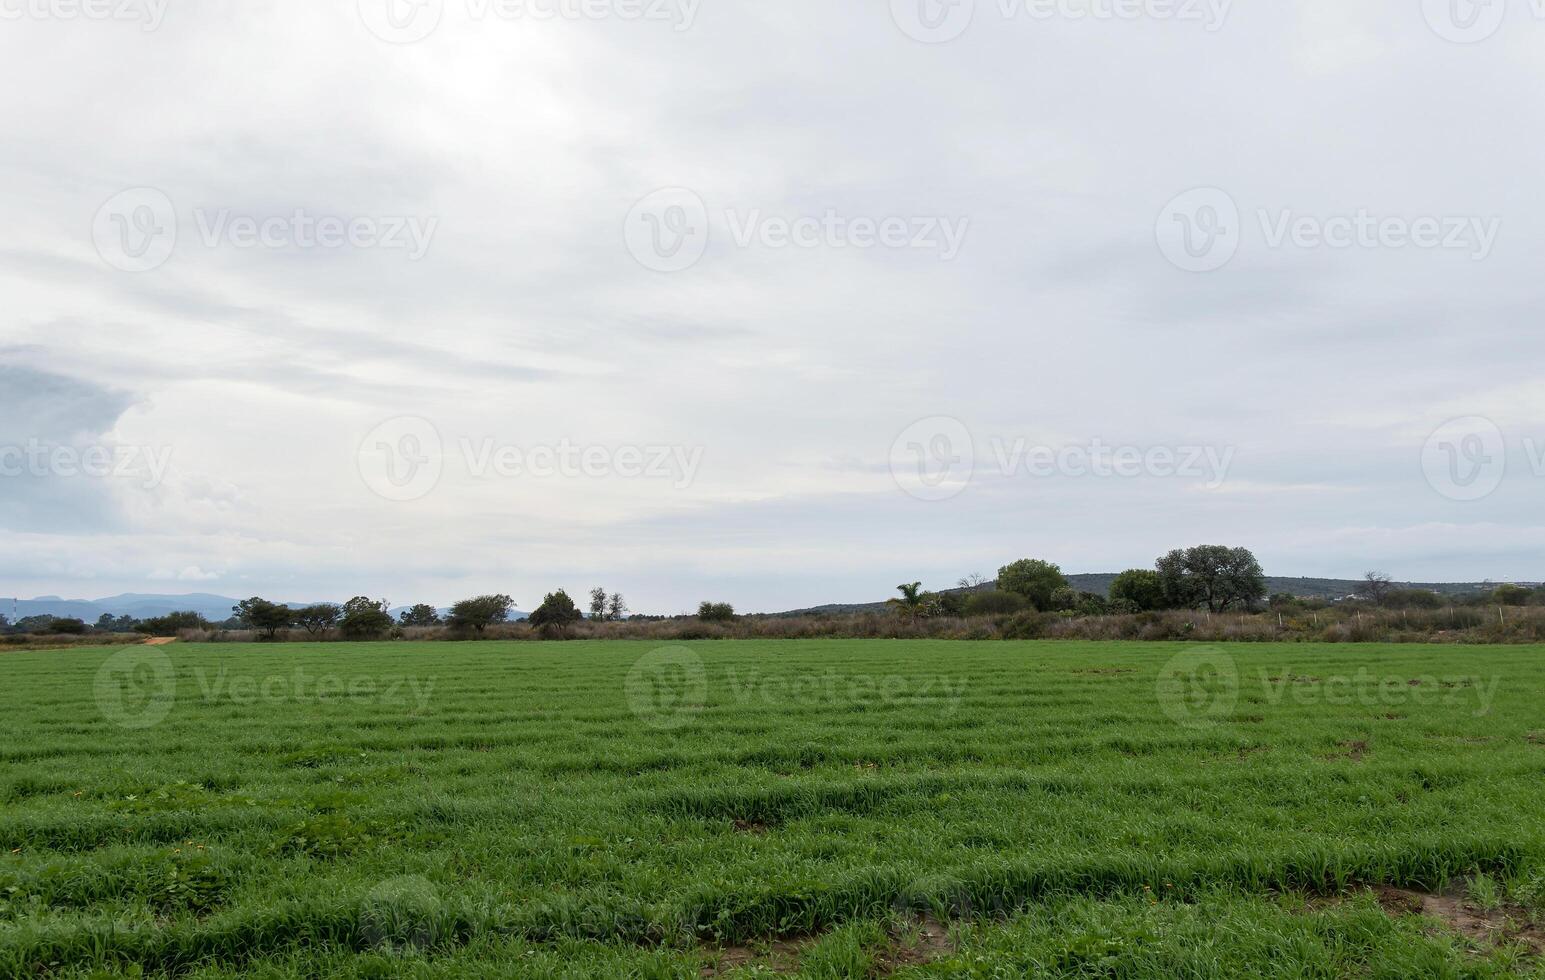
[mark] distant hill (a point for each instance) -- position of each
(1309, 588)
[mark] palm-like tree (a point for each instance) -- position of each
(911, 601)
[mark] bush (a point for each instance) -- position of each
(716, 612)
(995, 604)
(1026, 626)
(73, 627)
(173, 623)
(1413, 599)
(1512, 595)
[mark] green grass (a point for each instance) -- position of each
(610, 808)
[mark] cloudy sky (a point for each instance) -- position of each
(771, 303)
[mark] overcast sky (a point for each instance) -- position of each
(769, 303)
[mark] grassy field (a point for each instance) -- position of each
(827, 808)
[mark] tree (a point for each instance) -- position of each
(598, 603)
(1141, 587)
(912, 599)
(1375, 587)
(266, 617)
(616, 609)
(68, 625)
(480, 613)
(1032, 578)
(1512, 595)
(1213, 576)
(1091, 604)
(1064, 599)
(556, 613)
(35, 624)
(716, 612)
(365, 618)
(318, 619)
(973, 581)
(172, 623)
(421, 614)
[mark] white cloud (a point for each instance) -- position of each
(528, 323)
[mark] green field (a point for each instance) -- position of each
(827, 808)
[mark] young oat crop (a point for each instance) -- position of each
(817, 808)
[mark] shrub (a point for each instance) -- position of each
(173, 623)
(995, 604)
(716, 612)
(1028, 625)
(1413, 599)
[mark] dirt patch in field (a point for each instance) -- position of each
(1352, 750)
(915, 943)
(751, 827)
(1105, 671)
(160, 641)
(1498, 926)
(926, 940)
(780, 956)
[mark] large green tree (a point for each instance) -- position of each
(1213, 576)
(421, 614)
(1142, 587)
(479, 613)
(1034, 579)
(556, 613)
(365, 618)
(263, 616)
(318, 619)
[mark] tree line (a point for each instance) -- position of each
(1217, 578)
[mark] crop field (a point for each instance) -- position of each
(823, 808)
